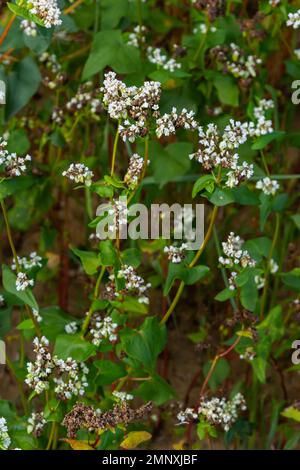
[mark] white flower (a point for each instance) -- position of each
(29, 28)
(235, 254)
(134, 171)
(186, 416)
(297, 53)
(156, 56)
(134, 283)
(122, 396)
(27, 263)
(273, 266)
(176, 253)
(46, 10)
(294, 19)
(168, 123)
(5, 440)
(36, 423)
(103, 329)
(79, 173)
(14, 164)
(37, 315)
(260, 281)
(268, 186)
(222, 412)
(22, 282)
(71, 328)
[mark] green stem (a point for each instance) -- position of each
(266, 286)
(115, 151)
(95, 296)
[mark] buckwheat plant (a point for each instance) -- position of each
(118, 339)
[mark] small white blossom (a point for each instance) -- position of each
(35, 424)
(268, 186)
(22, 282)
(156, 56)
(134, 283)
(176, 253)
(103, 328)
(46, 10)
(294, 19)
(134, 171)
(122, 396)
(235, 254)
(79, 173)
(29, 28)
(222, 412)
(27, 263)
(71, 328)
(5, 440)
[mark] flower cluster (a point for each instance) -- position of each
(68, 376)
(176, 253)
(203, 28)
(37, 315)
(168, 123)
(35, 424)
(214, 8)
(294, 19)
(132, 106)
(71, 328)
(14, 164)
(103, 328)
(5, 440)
(186, 416)
(122, 396)
(220, 149)
(232, 248)
(156, 56)
(86, 97)
(268, 186)
(71, 378)
(137, 37)
(29, 28)
(222, 412)
(134, 283)
(28, 263)
(136, 164)
(23, 281)
(79, 173)
(54, 77)
(47, 10)
(263, 125)
(235, 62)
(2, 300)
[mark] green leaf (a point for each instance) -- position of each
(265, 140)
(156, 389)
(249, 294)
(73, 346)
(54, 321)
(112, 12)
(188, 275)
(206, 182)
(109, 49)
(25, 78)
(109, 371)
(89, 259)
(26, 325)
(134, 439)
(173, 159)
(145, 344)
(24, 13)
(227, 90)
(14, 185)
(221, 197)
(9, 284)
(131, 257)
(225, 294)
(291, 413)
(107, 253)
(296, 220)
(220, 373)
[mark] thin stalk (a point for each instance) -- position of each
(113, 161)
(7, 28)
(95, 296)
(266, 286)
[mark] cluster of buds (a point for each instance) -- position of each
(294, 19)
(14, 164)
(176, 253)
(169, 123)
(263, 125)
(235, 62)
(232, 248)
(29, 28)
(68, 376)
(47, 10)
(156, 56)
(131, 106)
(137, 37)
(23, 282)
(35, 424)
(134, 283)
(71, 328)
(214, 8)
(28, 262)
(217, 411)
(86, 97)
(122, 397)
(103, 329)
(268, 186)
(222, 412)
(5, 440)
(79, 173)
(219, 149)
(54, 77)
(136, 164)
